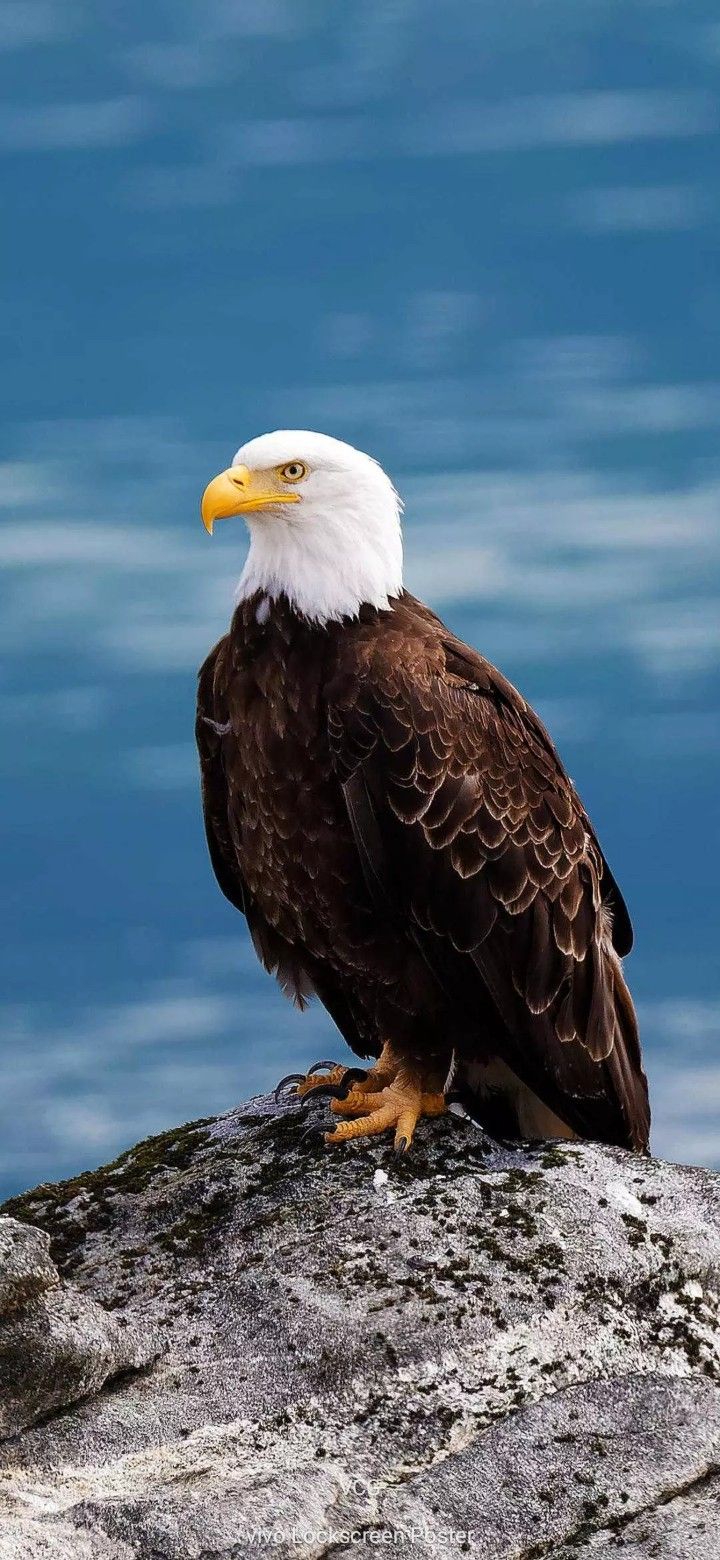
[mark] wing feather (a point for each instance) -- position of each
(468, 825)
(298, 974)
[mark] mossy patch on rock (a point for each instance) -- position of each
(481, 1335)
(71, 1210)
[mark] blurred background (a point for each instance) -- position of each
(479, 241)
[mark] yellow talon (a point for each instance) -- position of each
(400, 1105)
(391, 1095)
(360, 1101)
(314, 1080)
(382, 1073)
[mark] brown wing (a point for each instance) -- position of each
(211, 726)
(468, 825)
(298, 974)
(470, 666)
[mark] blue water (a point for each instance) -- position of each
(481, 243)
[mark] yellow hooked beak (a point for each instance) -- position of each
(238, 491)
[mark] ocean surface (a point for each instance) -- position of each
(479, 242)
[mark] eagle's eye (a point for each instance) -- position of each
(294, 471)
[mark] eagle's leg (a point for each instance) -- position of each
(399, 1104)
(382, 1073)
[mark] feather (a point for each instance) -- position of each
(397, 828)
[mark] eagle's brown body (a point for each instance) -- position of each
(395, 824)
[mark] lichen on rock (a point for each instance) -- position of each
(518, 1345)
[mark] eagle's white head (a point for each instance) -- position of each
(324, 523)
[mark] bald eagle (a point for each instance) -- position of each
(394, 822)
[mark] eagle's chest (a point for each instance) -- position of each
(286, 809)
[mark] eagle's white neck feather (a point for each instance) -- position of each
(337, 549)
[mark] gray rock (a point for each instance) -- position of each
(27, 1539)
(507, 1354)
(26, 1268)
(684, 1528)
(56, 1343)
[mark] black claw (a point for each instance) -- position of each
(312, 1134)
(336, 1091)
(289, 1078)
(401, 1146)
(321, 1090)
(344, 1087)
(355, 1075)
(326, 1091)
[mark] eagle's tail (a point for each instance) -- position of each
(625, 1062)
(602, 1097)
